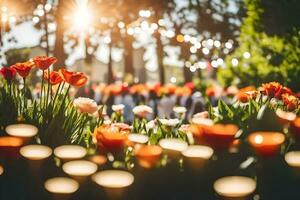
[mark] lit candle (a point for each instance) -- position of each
(9, 146)
(295, 128)
(173, 147)
(197, 155)
(114, 182)
(138, 138)
(79, 168)
(21, 130)
(220, 136)
(61, 185)
(293, 159)
(235, 187)
(1, 170)
(35, 152)
(285, 117)
(266, 143)
(98, 159)
(70, 152)
(148, 155)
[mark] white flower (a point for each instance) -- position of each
(202, 121)
(203, 114)
(85, 105)
(179, 109)
(150, 125)
(118, 107)
(142, 110)
(169, 122)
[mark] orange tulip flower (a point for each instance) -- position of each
(55, 78)
(77, 79)
(44, 62)
(24, 68)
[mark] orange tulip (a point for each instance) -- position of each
(55, 78)
(247, 93)
(275, 89)
(24, 68)
(290, 101)
(77, 79)
(44, 62)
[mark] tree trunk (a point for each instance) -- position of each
(160, 56)
(59, 51)
(110, 78)
(187, 74)
(46, 29)
(128, 55)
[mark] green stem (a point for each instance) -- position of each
(42, 88)
(24, 94)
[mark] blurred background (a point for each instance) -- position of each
(228, 42)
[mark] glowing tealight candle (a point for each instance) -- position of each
(98, 159)
(148, 155)
(235, 187)
(35, 152)
(9, 146)
(61, 185)
(173, 147)
(196, 155)
(138, 138)
(70, 152)
(114, 182)
(113, 178)
(21, 130)
(266, 143)
(293, 158)
(1, 170)
(80, 168)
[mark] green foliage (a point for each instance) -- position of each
(273, 57)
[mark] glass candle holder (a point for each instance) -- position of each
(197, 155)
(266, 143)
(235, 187)
(70, 152)
(173, 147)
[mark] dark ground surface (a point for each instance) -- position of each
(275, 180)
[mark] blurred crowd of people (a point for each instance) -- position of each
(161, 98)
